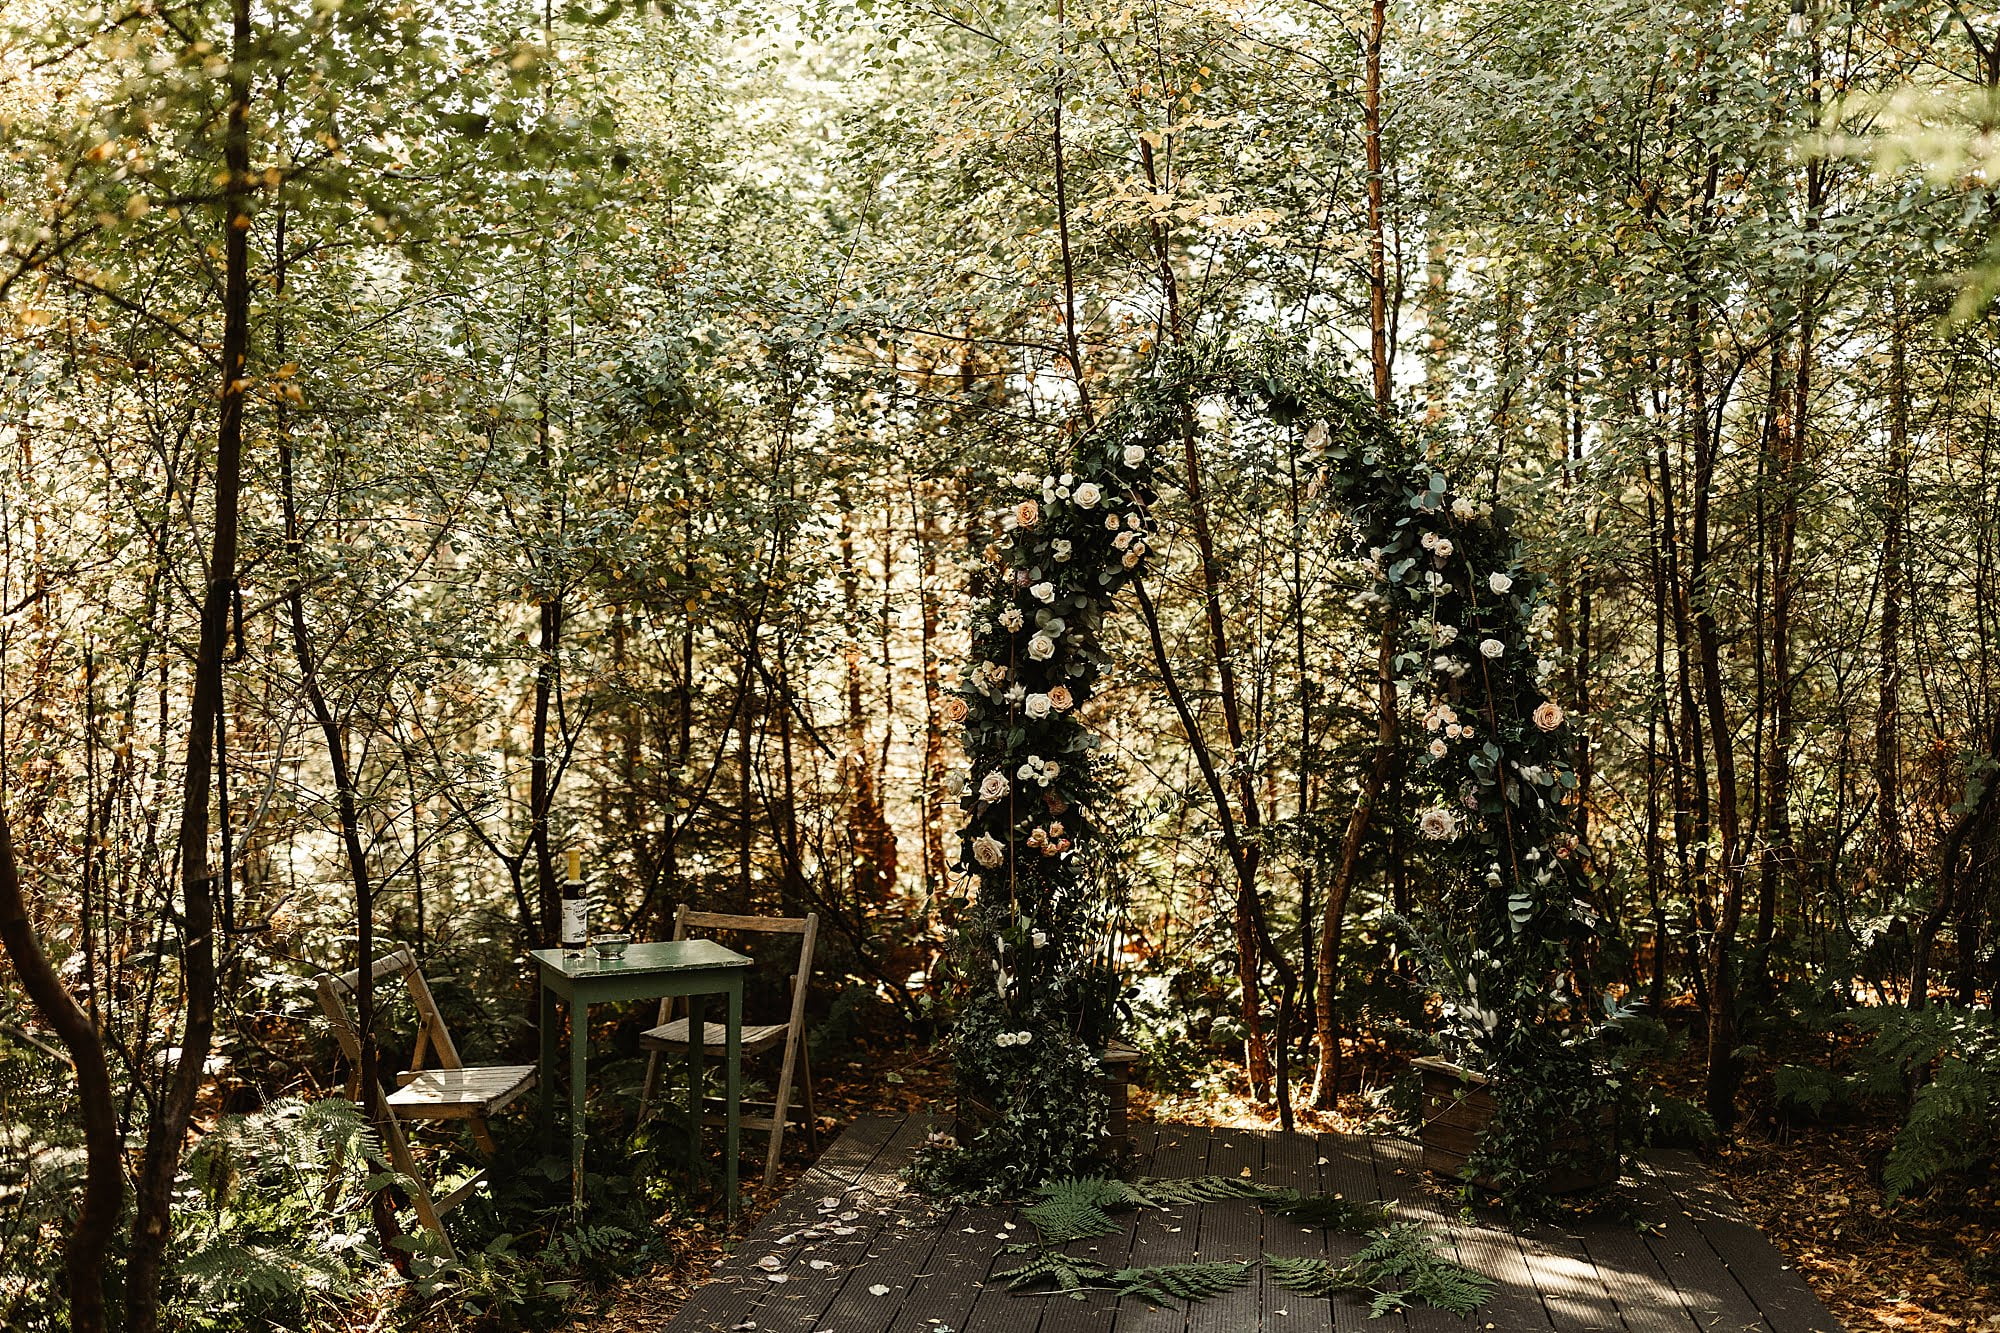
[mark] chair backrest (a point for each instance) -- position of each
(806, 927)
(432, 1035)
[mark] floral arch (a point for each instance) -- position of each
(1494, 764)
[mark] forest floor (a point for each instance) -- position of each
(1916, 1265)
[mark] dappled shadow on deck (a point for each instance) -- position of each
(851, 1251)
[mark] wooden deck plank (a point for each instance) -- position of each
(1647, 1300)
(1708, 1271)
(1402, 1181)
(738, 1284)
(822, 1266)
(1516, 1302)
(1290, 1161)
(1348, 1169)
(1782, 1296)
(1097, 1311)
(951, 1276)
(1572, 1291)
(1166, 1235)
(1709, 1291)
(1231, 1232)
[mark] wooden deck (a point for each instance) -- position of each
(851, 1251)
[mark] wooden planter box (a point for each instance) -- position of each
(1458, 1106)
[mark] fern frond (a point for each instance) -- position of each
(1181, 1282)
(1164, 1191)
(1067, 1271)
(1307, 1277)
(1328, 1212)
(1077, 1209)
(1401, 1263)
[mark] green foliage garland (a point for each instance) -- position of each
(1445, 569)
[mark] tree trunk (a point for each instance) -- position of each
(1378, 250)
(1889, 664)
(152, 1224)
(89, 1236)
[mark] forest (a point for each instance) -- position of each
(1281, 536)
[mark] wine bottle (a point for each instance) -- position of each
(575, 907)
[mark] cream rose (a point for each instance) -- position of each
(1036, 706)
(1438, 823)
(1043, 592)
(1087, 495)
(1041, 647)
(1499, 583)
(993, 787)
(988, 850)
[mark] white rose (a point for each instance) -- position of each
(1041, 647)
(1444, 634)
(1134, 455)
(1043, 592)
(987, 850)
(993, 787)
(1428, 541)
(1499, 583)
(1066, 479)
(1444, 548)
(1036, 706)
(1026, 481)
(1062, 550)
(1023, 1038)
(1463, 509)
(1491, 647)
(1087, 495)
(1439, 749)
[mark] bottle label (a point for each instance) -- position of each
(575, 922)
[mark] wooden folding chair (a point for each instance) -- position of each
(452, 1091)
(672, 1036)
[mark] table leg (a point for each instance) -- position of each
(548, 1072)
(695, 1037)
(732, 1090)
(579, 1032)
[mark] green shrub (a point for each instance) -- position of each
(1805, 1090)
(269, 1229)
(1953, 1056)
(1673, 1122)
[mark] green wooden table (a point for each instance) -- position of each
(690, 968)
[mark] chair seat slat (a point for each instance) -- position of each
(757, 1037)
(451, 1093)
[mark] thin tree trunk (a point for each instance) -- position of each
(1378, 258)
(1888, 749)
(152, 1222)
